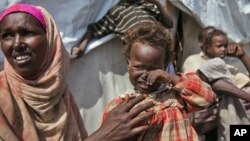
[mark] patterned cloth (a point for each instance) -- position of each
(41, 109)
(171, 122)
(123, 16)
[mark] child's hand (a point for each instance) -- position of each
(158, 76)
(235, 50)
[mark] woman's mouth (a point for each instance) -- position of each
(22, 59)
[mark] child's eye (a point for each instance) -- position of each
(153, 68)
(139, 67)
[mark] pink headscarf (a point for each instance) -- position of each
(35, 12)
(42, 109)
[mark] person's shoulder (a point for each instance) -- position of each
(193, 58)
(192, 63)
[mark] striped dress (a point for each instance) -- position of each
(124, 16)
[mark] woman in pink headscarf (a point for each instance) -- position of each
(35, 102)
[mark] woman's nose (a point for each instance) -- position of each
(17, 43)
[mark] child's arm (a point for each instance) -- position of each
(196, 93)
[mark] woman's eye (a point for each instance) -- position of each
(28, 33)
(6, 36)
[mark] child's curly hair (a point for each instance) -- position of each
(151, 33)
(208, 39)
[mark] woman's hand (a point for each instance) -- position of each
(122, 122)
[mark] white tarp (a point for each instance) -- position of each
(71, 16)
(231, 16)
(101, 75)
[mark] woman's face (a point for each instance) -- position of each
(218, 47)
(143, 59)
(23, 42)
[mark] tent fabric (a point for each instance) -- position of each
(101, 74)
(231, 16)
(96, 78)
(71, 16)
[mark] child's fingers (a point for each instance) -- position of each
(151, 79)
(232, 49)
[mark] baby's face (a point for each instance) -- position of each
(218, 47)
(143, 59)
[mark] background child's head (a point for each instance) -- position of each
(147, 48)
(215, 44)
(203, 34)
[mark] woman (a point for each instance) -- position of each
(35, 102)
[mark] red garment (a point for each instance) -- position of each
(171, 122)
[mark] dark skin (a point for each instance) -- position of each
(146, 68)
(23, 42)
(235, 50)
(220, 48)
(222, 86)
(122, 123)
